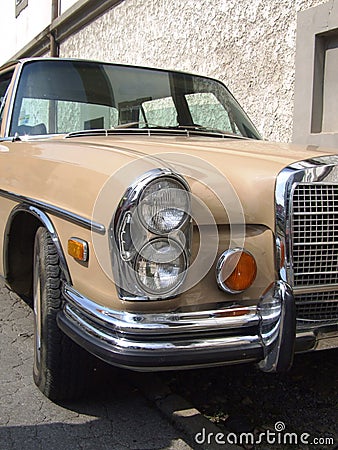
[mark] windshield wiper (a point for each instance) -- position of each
(210, 130)
(133, 125)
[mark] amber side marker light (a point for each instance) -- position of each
(236, 270)
(78, 249)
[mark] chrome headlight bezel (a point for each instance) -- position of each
(129, 234)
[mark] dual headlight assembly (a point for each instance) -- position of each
(151, 235)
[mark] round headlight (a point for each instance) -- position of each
(164, 205)
(160, 266)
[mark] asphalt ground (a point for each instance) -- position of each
(128, 410)
(242, 399)
(116, 415)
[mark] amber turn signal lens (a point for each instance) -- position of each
(236, 270)
(78, 249)
(244, 273)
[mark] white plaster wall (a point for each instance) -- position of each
(248, 44)
(66, 4)
(15, 33)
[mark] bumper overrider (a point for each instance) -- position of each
(264, 333)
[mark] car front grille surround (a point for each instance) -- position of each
(314, 251)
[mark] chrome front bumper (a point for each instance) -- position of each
(177, 340)
(148, 342)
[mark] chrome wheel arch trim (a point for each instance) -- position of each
(47, 223)
(55, 210)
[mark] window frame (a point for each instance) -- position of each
(8, 74)
(20, 5)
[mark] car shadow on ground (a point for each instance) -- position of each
(243, 399)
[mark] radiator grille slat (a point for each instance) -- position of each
(314, 240)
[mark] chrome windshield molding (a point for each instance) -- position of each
(56, 211)
(47, 223)
(128, 235)
(161, 323)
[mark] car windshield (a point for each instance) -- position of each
(65, 96)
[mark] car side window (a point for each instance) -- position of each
(5, 80)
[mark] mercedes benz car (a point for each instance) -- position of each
(148, 224)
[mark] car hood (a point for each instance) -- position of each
(71, 172)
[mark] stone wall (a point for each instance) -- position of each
(248, 44)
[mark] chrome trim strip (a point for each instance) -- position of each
(315, 288)
(56, 211)
(46, 222)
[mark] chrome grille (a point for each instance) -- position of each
(317, 306)
(314, 227)
(314, 240)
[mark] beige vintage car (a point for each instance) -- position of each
(148, 223)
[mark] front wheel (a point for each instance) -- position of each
(60, 366)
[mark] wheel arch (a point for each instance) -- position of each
(19, 237)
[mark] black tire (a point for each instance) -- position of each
(61, 367)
